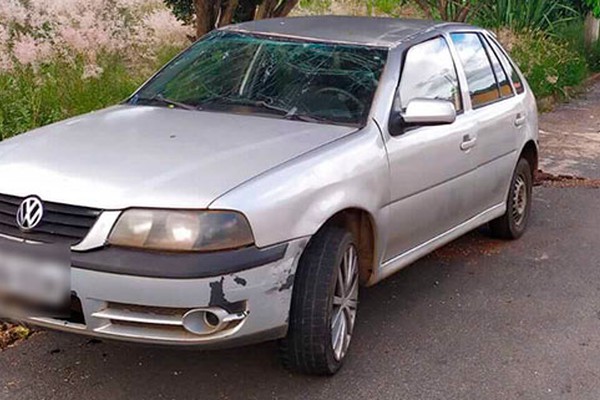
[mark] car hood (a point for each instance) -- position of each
(129, 156)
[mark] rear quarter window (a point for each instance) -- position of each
(506, 89)
(508, 65)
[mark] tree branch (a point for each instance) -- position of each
(425, 8)
(443, 9)
(464, 13)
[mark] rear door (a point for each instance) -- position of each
(498, 114)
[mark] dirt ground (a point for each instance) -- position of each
(570, 137)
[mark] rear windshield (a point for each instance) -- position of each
(281, 78)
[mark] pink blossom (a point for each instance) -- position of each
(13, 11)
(25, 50)
(68, 29)
(165, 27)
(73, 38)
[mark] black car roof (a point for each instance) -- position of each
(384, 32)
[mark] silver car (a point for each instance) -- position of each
(248, 189)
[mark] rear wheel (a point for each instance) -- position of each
(514, 223)
(324, 304)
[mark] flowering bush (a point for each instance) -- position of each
(549, 63)
(38, 31)
(60, 58)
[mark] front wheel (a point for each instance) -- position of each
(513, 224)
(324, 304)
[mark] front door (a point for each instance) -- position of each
(431, 167)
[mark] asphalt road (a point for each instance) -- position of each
(479, 319)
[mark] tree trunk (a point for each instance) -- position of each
(213, 13)
(207, 12)
(285, 8)
(245, 11)
(265, 9)
(592, 30)
(463, 14)
(228, 12)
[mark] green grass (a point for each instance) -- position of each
(545, 15)
(550, 64)
(572, 34)
(33, 97)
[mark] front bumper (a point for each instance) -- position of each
(150, 309)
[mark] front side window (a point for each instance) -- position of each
(483, 87)
(249, 74)
(429, 73)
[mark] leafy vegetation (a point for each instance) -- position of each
(571, 35)
(545, 37)
(11, 334)
(551, 65)
(63, 58)
(49, 92)
(519, 15)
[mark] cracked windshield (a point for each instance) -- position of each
(244, 74)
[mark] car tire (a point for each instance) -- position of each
(513, 224)
(324, 304)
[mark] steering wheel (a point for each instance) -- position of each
(344, 93)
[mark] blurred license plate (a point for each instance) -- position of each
(34, 275)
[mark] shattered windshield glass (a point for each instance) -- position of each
(249, 74)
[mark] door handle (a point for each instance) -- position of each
(520, 120)
(468, 142)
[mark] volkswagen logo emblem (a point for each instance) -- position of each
(30, 214)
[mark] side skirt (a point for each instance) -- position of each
(403, 260)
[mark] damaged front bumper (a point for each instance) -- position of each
(176, 303)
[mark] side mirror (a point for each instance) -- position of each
(429, 112)
(423, 112)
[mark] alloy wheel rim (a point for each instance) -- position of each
(345, 303)
(520, 199)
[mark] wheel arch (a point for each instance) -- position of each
(363, 227)
(530, 152)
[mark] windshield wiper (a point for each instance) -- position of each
(291, 114)
(247, 102)
(308, 118)
(161, 99)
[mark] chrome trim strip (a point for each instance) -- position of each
(138, 317)
(98, 235)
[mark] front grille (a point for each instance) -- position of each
(60, 224)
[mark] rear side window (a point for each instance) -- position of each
(483, 87)
(430, 73)
(514, 76)
(503, 82)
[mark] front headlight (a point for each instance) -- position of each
(181, 230)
